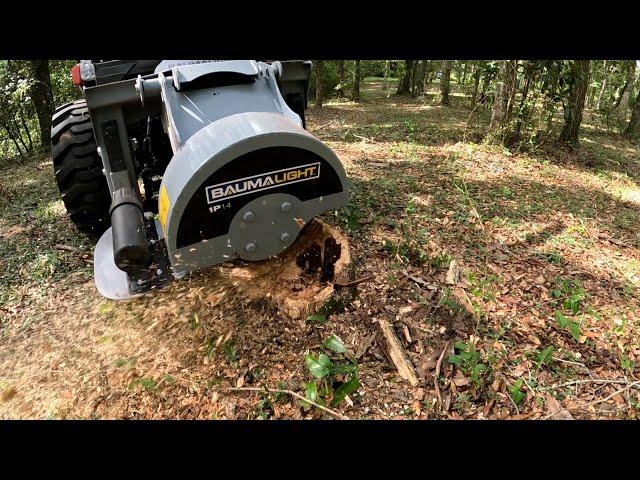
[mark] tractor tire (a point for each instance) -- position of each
(78, 168)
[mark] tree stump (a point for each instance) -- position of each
(298, 281)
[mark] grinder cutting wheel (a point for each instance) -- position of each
(191, 163)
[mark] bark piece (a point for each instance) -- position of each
(397, 354)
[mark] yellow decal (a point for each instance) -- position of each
(163, 208)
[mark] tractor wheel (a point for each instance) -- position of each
(78, 168)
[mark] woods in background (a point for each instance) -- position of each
(29, 92)
(522, 97)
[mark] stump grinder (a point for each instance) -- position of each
(184, 164)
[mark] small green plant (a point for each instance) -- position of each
(440, 261)
(230, 351)
(553, 257)
(516, 393)
(626, 363)
(317, 318)
(123, 362)
(570, 293)
(264, 408)
(506, 192)
(44, 265)
(469, 361)
(565, 322)
(350, 216)
(145, 382)
(409, 253)
(335, 378)
(410, 127)
(483, 287)
(545, 356)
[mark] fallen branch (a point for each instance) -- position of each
(629, 385)
(591, 380)
(364, 138)
(397, 354)
(69, 248)
(325, 125)
(437, 373)
(562, 360)
(622, 390)
(353, 282)
(292, 393)
(417, 280)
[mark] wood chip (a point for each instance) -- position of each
(453, 274)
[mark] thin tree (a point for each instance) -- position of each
(477, 71)
(445, 83)
(319, 86)
(579, 82)
(42, 97)
(603, 86)
(340, 89)
(355, 92)
(386, 74)
(428, 67)
(414, 74)
(633, 128)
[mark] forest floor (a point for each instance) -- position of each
(514, 276)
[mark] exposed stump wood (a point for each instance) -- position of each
(298, 281)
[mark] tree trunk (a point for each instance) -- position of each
(428, 65)
(355, 93)
(499, 111)
(623, 95)
(42, 97)
(386, 74)
(511, 84)
(445, 83)
(414, 74)
(319, 86)
(633, 128)
(476, 83)
(523, 110)
(404, 85)
(549, 103)
(23, 119)
(340, 89)
(422, 71)
(573, 109)
(603, 87)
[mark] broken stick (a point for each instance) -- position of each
(353, 282)
(397, 354)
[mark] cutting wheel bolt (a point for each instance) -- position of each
(248, 217)
(250, 247)
(285, 207)
(285, 237)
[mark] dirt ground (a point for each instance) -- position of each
(510, 279)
